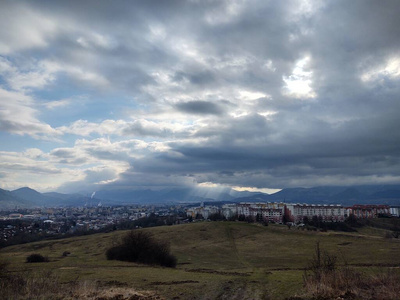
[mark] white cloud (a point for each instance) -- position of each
(31, 168)
(299, 83)
(267, 114)
(97, 161)
(226, 13)
(39, 74)
(24, 28)
(57, 104)
(85, 75)
(33, 153)
(96, 40)
(18, 116)
(85, 128)
(35, 75)
(140, 127)
(249, 95)
(253, 189)
(390, 69)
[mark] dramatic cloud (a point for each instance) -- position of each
(199, 108)
(245, 94)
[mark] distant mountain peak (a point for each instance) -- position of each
(25, 189)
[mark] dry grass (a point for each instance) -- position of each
(46, 285)
(324, 280)
(217, 260)
(349, 283)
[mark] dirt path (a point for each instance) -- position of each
(232, 242)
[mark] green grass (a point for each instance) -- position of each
(215, 259)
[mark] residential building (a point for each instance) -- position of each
(369, 211)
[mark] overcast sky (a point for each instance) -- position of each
(247, 94)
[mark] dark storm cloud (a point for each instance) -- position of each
(199, 108)
(203, 77)
(307, 151)
(347, 131)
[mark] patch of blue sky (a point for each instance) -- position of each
(77, 103)
(19, 143)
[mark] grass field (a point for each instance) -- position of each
(216, 260)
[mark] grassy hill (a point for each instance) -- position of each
(216, 260)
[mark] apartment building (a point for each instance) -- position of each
(369, 211)
(267, 211)
(328, 213)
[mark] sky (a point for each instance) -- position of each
(251, 95)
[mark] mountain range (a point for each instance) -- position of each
(379, 194)
(27, 198)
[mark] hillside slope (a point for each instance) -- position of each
(215, 259)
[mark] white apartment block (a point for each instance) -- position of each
(229, 210)
(395, 211)
(205, 212)
(267, 211)
(295, 212)
(329, 213)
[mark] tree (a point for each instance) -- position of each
(322, 262)
(259, 218)
(216, 217)
(315, 221)
(352, 221)
(286, 219)
(250, 219)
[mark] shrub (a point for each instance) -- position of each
(36, 258)
(321, 263)
(139, 246)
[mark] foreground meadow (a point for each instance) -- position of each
(216, 260)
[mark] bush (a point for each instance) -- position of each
(322, 262)
(36, 258)
(139, 246)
